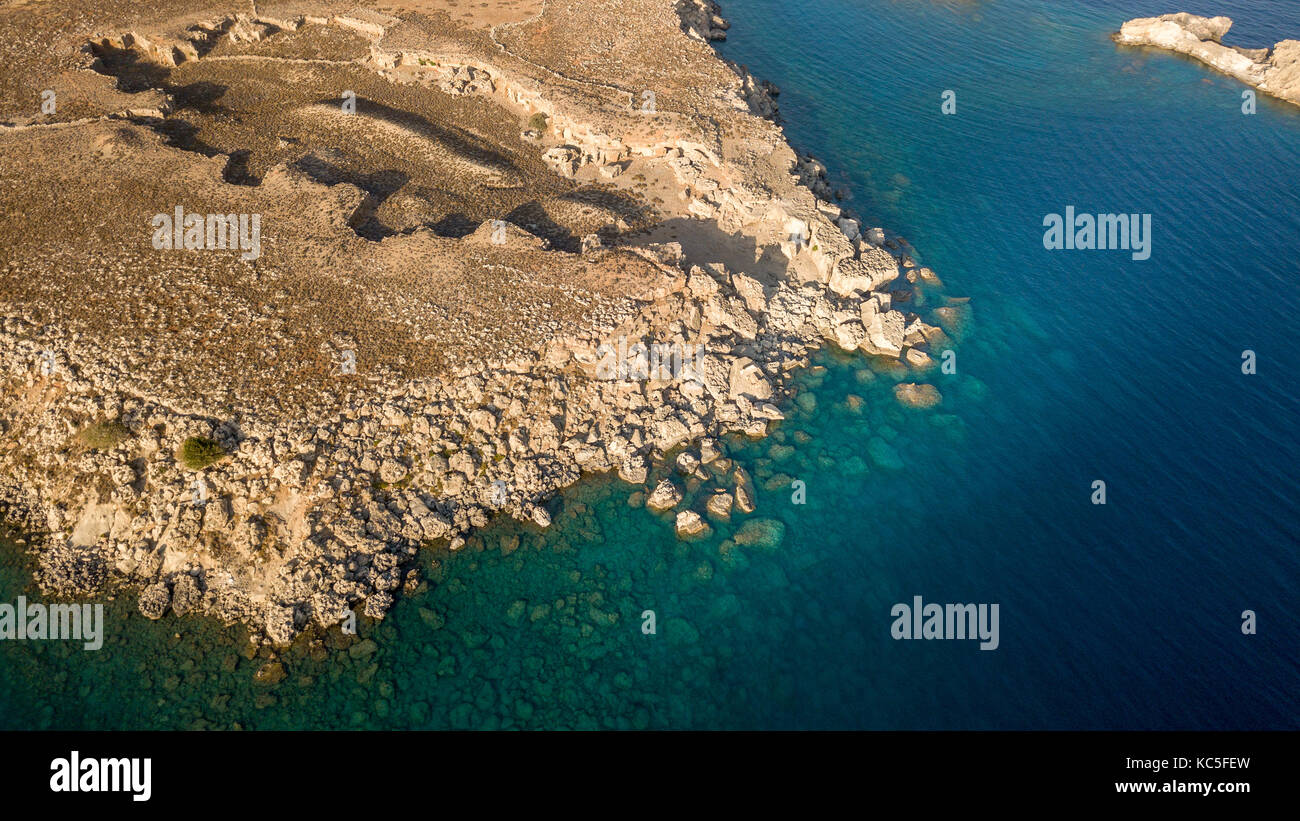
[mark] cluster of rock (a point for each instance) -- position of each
(466, 80)
(1275, 70)
(703, 19)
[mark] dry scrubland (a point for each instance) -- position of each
(501, 202)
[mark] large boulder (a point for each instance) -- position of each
(748, 379)
(868, 271)
(719, 505)
(562, 159)
(669, 433)
(665, 496)
(731, 313)
(690, 525)
(154, 601)
(885, 333)
(850, 334)
(186, 594)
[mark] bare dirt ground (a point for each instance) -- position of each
(373, 255)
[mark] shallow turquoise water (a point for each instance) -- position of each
(1073, 366)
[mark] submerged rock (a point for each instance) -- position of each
(915, 395)
(744, 492)
(764, 533)
(680, 631)
(432, 619)
(689, 525)
(883, 454)
(270, 674)
(719, 505)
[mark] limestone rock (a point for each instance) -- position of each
(719, 505)
(709, 451)
(914, 395)
(885, 334)
(378, 604)
(665, 496)
(392, 471)
(541, 517)
(764, 533)
(563, 159)
(154, 600)
(744, 492)
(669, 433)
(1276, 70)
(687, 463)
(747, 379)
(185, 594)
(850, 334)
(873, 268)
(917, 358)
(689, 525)
(633, 470)
(270, 673)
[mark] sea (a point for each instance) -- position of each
(1113, 463)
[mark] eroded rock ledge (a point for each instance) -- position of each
(321, 502)
(1274, 70)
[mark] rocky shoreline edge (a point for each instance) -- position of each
(306, 518)
(1275, 70)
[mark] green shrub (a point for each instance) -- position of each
(105, 434)
(537, 122)
(198, 452)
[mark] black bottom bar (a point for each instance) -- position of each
(339, 772)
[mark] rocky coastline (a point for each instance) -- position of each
(1274, 70)
(316, 505)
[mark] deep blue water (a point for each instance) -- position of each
(1073, 366)
(1096, 366)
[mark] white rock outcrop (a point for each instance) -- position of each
(1275, 70)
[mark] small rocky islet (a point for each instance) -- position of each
(1274, 69)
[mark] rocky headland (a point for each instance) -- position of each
(519, 195)
(1274, 70)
